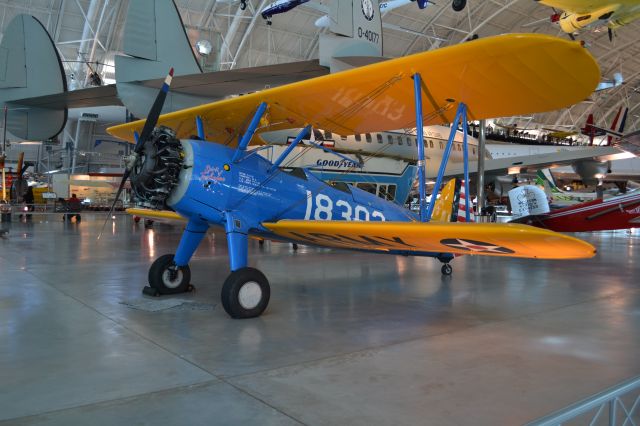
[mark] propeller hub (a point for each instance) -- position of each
(156, 168)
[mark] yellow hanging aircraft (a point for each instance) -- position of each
(222, 184)
(577, 14)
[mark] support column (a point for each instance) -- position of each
(194, 233)
(481, 149)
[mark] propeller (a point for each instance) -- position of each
(149, 125)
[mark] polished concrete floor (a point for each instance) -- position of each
(348, 338)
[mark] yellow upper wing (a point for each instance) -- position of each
(496, 77)
(492, 239)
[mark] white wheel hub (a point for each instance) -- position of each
(250, 295)
(168, 282)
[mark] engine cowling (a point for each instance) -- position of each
(157, 169)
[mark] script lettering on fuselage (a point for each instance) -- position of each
(322, 207)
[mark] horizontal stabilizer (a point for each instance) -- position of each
(30, 67)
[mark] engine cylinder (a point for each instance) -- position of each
(156, 171)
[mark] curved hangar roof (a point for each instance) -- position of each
(90, 31)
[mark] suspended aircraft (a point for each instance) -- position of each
(279, 6)
(224, 184)
(629, 142)
(578, 14)
(387, 6)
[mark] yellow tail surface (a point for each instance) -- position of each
(444, 205)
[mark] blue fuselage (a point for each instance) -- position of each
(211, 186)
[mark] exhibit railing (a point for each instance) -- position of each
(620, 403)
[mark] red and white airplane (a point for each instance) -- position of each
(598, 215)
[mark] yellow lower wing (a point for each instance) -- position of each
(498, 76)
(491, 239)
(156, 214)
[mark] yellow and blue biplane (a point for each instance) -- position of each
(226, 184)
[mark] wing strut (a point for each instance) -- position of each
(461, 114)
(304, 132)
(246, 138)
(417, 90)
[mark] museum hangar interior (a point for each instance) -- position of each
(242, 239)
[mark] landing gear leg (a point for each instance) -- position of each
(170, 274)
(246, 291)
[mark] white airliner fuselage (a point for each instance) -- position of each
(394, 144)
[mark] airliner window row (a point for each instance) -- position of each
(400, 140)
(387, 192)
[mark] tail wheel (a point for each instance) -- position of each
(446, 269)
(458, 5)
(245, 293)
(167, 278)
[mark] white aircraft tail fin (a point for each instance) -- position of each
(545, 178)
(356, 31)
(528, 200)
(30, 67)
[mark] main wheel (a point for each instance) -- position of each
(245, 293)
(168, 278)
(458, 5)
(446, 269)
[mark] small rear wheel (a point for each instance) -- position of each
(446, 269)
(458, 5)
(167, 278)
(245, 293)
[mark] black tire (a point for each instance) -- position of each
(458, 5)
(254, 299)
(243, 5)
(446, 269)
(160, 276)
